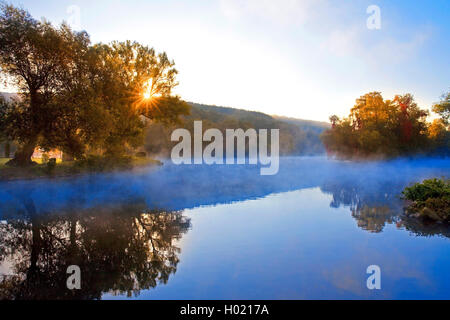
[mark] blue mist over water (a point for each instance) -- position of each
(174, 187)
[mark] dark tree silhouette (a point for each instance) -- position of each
(119, 251)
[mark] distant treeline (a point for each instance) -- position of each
(389, 128)
(297, 137)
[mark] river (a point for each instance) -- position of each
(225, 232)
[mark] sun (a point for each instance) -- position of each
(147, 96)
(148, 90)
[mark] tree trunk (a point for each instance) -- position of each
(22, 157)
(7, 149)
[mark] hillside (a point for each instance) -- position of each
(307, 125)
(297, 137)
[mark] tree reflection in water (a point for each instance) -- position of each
(120, 250)
(373, 206)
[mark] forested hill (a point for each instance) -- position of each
(297, 137)
(306, 125)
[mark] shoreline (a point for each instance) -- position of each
(67, 170)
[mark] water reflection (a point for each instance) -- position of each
(373, 206)
(110, 225)
(121, 250)
(424, 228)
(371, 209)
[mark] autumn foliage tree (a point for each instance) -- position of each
(442, 108)
(380, 127)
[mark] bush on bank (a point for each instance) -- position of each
(430, 199)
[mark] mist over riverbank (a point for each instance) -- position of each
(187, 186)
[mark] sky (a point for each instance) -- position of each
(307, 59)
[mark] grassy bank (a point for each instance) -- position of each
(72, 168)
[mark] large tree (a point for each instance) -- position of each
(131, 81)
(77, 97)
(36, 57)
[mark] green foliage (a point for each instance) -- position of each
(430, 198)
(431, 188)
(42, 62)
(77, 97)
(124, 72)
(90, 164)
(378, 127)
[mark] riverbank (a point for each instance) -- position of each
(72, 168)
(429, 199)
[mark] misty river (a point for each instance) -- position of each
(225, 232)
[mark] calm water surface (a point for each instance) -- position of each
(225, 232)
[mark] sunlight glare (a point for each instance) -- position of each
(148, 90)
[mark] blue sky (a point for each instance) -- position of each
(302, 58)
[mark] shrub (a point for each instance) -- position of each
(431, 198)
(431, 188)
